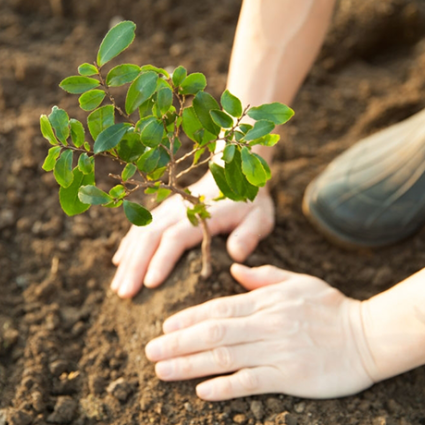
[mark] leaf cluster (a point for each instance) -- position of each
(144, 136)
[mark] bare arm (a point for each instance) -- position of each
(275, 45)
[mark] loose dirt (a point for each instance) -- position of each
(71, 352)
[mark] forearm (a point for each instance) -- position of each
(394, 327)
(275, 45)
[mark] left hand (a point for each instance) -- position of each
(292, 334)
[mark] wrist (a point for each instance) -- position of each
(394, 327)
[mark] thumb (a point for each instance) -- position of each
(244, 239)
(257, 277)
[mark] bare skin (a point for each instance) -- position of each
(293, 334)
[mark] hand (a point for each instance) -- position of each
(149, 254)
(294, 334)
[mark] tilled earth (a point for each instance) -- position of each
(71, 352)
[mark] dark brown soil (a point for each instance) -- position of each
(71, 352)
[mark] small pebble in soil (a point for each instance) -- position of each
(18, 417)
(257, 409)
(285, 418)
(120, 389)
(37, 401)
(299, 407)
(92, 408)
(240, 418)
(7, 218)
(239, 406)
(188, 407)
(274, 405)
(64, 411)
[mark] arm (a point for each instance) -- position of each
(394, 328)
(275, 46)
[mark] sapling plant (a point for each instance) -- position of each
(144, 138)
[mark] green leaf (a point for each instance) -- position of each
(198, 155)
(63, 169)
(87, 70)
(116, 41)
(193, 83)
(110, 137)
(260, 129)
(221, 118)
(47, 130)
(148, 162)
(130, 148)
(236, 179)
(152, 134)
(92, 195)
(203, 103)
(60, 123)
(128, 172)
(141, 89)
(136, 214)
(113, 204)
(77, 132)
(164, 100)
(100, 119)
(245, 128)
(87, 146)
(143, 122)
(265, 165)
(145, 109)
(193, 127)
(122, 74)
(276, 112)
(253, 168)
(220, 179)
(162, 194)
(229, 153)
(161, 71)
(91, 100)
(118, 191)
(52, 156)
(191, 215)
(179, 75)
(68, 197)
(231, 104)
(268, 140)
(78, 85)
(238, 135)
(86, 163)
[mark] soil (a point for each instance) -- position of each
(71, 352)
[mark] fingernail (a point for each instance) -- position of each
(153, 351)
(164, 369)
(152, 277)
(204, 390)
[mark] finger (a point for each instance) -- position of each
(174, 241)
(254, 227)
(204, 336)
(217, 361)
(220, 308)
(125, 242)
(257, 277)
(131, 271)
(245, 382)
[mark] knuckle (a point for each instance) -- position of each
(223, 358)
(184, 366)
(248, 380)
(222, 309)
(277, 323)
(173, 345)
(214, 331)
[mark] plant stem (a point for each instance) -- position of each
(206, 250)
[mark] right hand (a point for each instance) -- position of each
(148, 254)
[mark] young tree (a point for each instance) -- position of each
(144, 138)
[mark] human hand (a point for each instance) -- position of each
(147, 255)
(292, 334)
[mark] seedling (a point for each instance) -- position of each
(144, 138)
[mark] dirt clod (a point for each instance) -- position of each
(257, 409)
(64, 411)
(120, 389)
